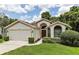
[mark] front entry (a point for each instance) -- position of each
(43, 33)
(43, 29)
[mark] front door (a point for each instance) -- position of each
(43, 33)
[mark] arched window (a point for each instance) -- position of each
(43, 26)
(57, 31)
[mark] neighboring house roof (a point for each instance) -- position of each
(58, 22)
(23, 22)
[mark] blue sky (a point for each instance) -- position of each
(32, 12)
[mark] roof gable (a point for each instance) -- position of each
(58, 22)
(43, 20)
(22, 22)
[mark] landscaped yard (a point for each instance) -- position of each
(45, 49)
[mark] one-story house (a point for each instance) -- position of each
(22, 30)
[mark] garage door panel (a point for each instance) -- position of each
(19, 35)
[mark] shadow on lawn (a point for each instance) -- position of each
(71, 45)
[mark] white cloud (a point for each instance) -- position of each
(17, 8)
(29, 7)
(36, 18)
(45, 6)
(29, 19)
(25, 17)
(13, 8)
(64, 8)
(7, 15)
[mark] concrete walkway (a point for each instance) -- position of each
(12, 45)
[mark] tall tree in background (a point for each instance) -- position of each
(4, 21)
(71, 17)
(46, 15)
(53, 19)
(74, 8)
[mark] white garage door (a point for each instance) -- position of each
(19, 35)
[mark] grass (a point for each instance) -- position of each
(45, 49)
(1, 40)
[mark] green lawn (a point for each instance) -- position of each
(45, 49)
(1, 40)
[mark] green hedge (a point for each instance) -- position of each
(70, 37)
(51, 40)
(0, 36)
(47, 40)
(56, 39)
(6, 38)
(31, 39)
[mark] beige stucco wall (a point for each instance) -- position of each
(36, 34)
(53, 26)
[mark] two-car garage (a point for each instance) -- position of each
(19, 31)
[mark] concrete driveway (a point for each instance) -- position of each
(10, 45)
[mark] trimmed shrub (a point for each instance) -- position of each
(6, 38)
(31, 39)
(56, 39)
(0, 36)
(70, 37)
(51, 40)
(47, 40)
